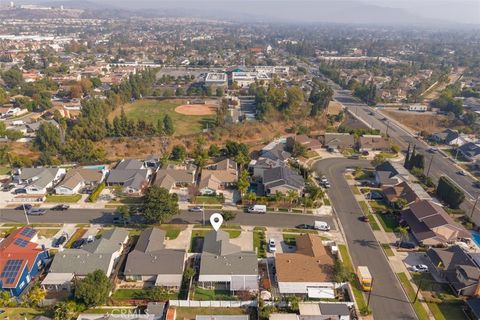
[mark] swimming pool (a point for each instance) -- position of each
(99, 167)
(476, 238)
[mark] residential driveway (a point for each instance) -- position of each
(244, 241)
(280, 245)
(182, 242)
(92, 231)
(68, 229)
(413, 258)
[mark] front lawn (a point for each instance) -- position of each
(388, 222)
(387, 249)
(54, 198)
(259, 243)
(208, 200)
(172, 231)
(290, 239)
(417, 306)
(442, 302)
(371, 219)
(47, 233)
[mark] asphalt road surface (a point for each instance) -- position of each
(388, 301)
(106, 216)
(436, 165)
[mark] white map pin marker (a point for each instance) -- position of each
(216, 220)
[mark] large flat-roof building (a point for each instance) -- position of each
(216, 79)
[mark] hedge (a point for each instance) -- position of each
(93, 197)
(449, 192)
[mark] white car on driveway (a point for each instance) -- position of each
(420, 268)
(271, 246)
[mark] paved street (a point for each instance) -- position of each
(440, 165)
(388, 300)
(105, 216)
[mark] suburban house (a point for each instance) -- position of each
(101, 254)
(308, 271)
(324, 310)
(275, 150)
(34, 126)
(224, 265)
(150, 261)
(217, 177)
(131, 175)
(282, 179)
(258, 167)
(369, 142)
(470, 151)
(38, 180)
(338, 141)
(449, 137)
(390, 173)
(21, 259)
(457, 268)
(77, 179)
(431, 225)
(174, 177)
(304, 140)
(411, 192)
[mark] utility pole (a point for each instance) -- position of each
(370, 293)
(388, 126)
(429, 165)
(418, 290)
(25, 212)
(474, 206)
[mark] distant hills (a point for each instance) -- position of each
(307, 11)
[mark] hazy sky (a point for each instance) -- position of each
(408, 11)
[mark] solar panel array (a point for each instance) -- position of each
(28, 232)
(10, 270)
(21, 242)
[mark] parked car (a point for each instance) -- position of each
(476, 184)
(405, 245)
(59, 241)
(364, 219)
(24, 207)
(271, 246)
(321, 225)
(36, 212)
(461, 173)
(78, 243)
(420, 268)
(8, 187)
(258, 208)
(20, 191)
(374, 195)
(354, 157)
(365, 153)
(61, 207)
(323, 179)
(432, 150)
(90, 239)
(326, 185)
(195, 209)
(304, 226)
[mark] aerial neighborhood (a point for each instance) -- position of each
(228, 160)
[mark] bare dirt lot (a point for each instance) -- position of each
(196, 109)
(427, 122)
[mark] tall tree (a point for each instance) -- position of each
(94, 289)
(168, 126)
(159, 205)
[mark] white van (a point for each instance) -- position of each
(321, 225)
(258, 208)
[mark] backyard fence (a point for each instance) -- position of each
(213, 304)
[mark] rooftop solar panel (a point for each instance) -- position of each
(21, 242)
(10, 270)
(28, 232)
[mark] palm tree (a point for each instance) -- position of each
(250, 197)
(403, 233)
(292, 196)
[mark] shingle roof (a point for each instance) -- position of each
(149, 257)
(310, 263)
(134, 178)
(282, 176)
(130, 164)
(41, 176)
(77, 175)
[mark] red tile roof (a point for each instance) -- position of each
(11, 250)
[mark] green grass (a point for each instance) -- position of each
(129, 294)
(191, 313)
(77, 235)
(47, 233)
(443, 304)
(326, 201)
(388, 222)
(210, 294)
(299, 231)
(153, 110)
(21, 313)
(357, 292)
(207, 200)
(371, 218)
(259, 243)
(388, 250)
(290, 239)
(4, 171)
(355, 190)
(53, 198)
(417, 306)
(172, 230)
(234, 233)
(378, 205)
(260, 229)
